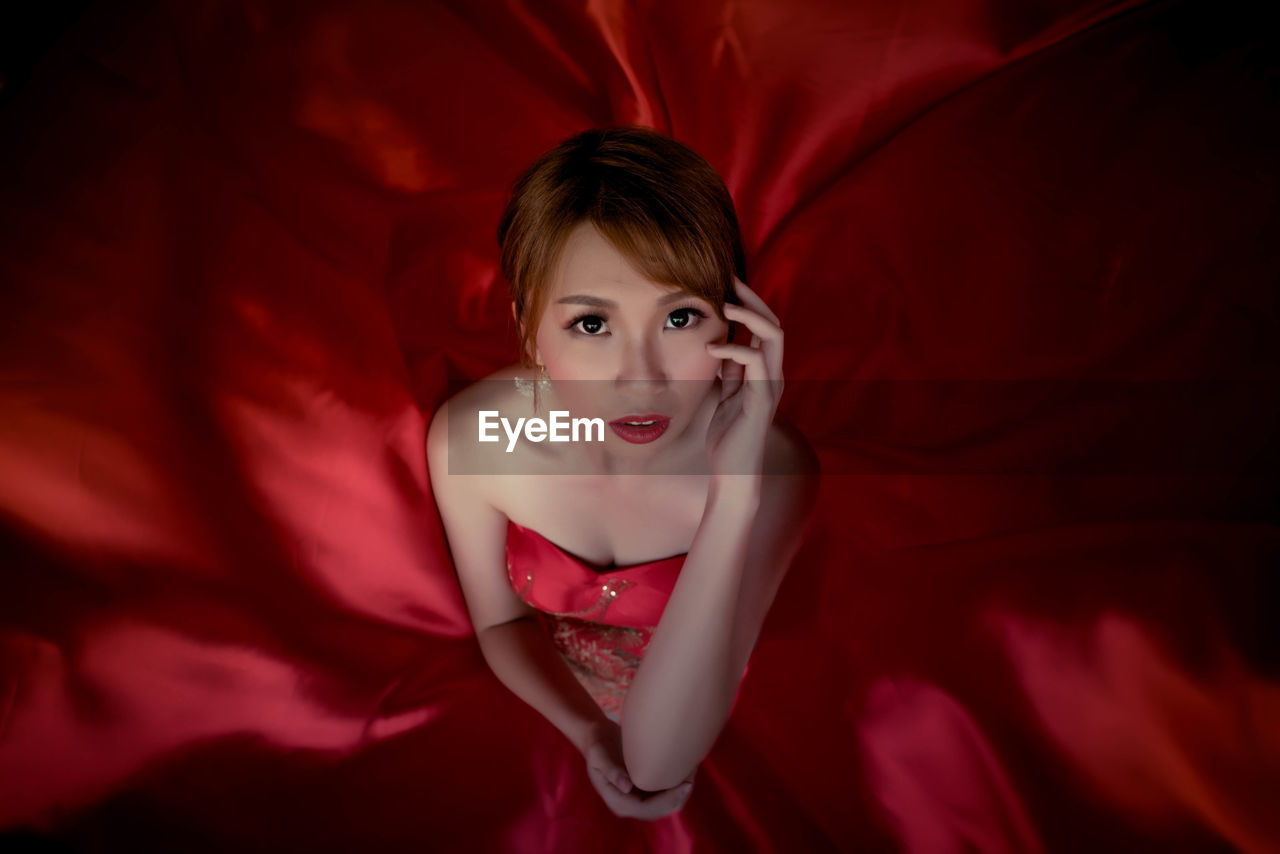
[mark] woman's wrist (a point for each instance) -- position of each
(588, 731)
(521, 654)
(735, 492)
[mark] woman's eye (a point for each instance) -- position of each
(589, 324)
(683, 318)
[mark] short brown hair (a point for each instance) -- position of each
(654, 198)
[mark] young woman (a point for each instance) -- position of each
(618, 583)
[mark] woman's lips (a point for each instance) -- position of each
(640, 429)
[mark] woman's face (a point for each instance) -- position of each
(620, 347)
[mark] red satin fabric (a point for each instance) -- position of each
(246, 247)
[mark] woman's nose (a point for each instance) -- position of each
(641, 367)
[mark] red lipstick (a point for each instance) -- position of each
(640, 429)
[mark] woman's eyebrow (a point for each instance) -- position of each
(675, 296)
(601, 302)
(585, 299)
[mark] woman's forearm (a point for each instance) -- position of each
(683, 691)
(523, 657)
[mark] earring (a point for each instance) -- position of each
(541, 384)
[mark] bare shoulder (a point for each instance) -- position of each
(439, 458)
(495, 391)
(484, 464)
(440, 452)
(468, 501)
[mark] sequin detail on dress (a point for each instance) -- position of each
(608, 592)
(604, 658)
(601, 652)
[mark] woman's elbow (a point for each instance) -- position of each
(654, 769)
(654, 778)
(648, 768)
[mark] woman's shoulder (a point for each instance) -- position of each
(458, 415)
(502, 377)
(495, 391)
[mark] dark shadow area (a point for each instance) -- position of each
(27, 32)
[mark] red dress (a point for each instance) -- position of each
(600, 620)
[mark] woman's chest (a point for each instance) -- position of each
(627, 521)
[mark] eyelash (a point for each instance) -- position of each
(692, 311)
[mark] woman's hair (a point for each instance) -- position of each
(655, 199)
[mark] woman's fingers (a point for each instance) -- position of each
(616, 801)
(618, 779)
(761, 386)
(730, 378)
(752, 360)
(766, 337)
(764, 330)
(762, 325)
(672, 799)
(662, 803)
(599, 759)
(635, 805)
(753, 301)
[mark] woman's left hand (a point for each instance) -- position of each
(751, 385)
(607, 772)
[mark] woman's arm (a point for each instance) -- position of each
(684, 689)
(751, 527)
(514, 644)
(522, 656)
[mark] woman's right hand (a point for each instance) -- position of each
(603, 752)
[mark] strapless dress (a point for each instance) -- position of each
(600, 619)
